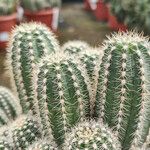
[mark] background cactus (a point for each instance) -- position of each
(29, 42)
(75, 47)
(43, 145)
(122, 98)
(36, 5)
(21, 133)
(9, 104)
(62, 94)
(7, 7)
(91, 135)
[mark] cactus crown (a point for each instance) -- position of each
(36, 5)
(7, 7)
(91, 135)
(75, 47)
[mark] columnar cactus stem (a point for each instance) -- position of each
(123, 98)
(91, 58)
(4, 145)
(91, 135)
(75, 47)
(29, 42)
(9, 104)
(63, 94)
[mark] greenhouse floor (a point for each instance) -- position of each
(75, 24)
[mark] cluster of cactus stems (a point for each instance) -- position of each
(122, 98)
(91, 135)
(63, 96)
(68, 86)
(75, 47)
(9, 105)
(29, 42)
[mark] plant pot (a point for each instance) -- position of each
(101, 11)
(87, 5)
(43, 16)
(115, 25)
(6, 25)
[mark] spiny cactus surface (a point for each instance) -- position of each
(4, 145)
(91, 135)
(9, 104)
(3, 118)
(75, 47)
(123, 99)
(62, 94)
(21, 133)
(43, 145)
(29, 42)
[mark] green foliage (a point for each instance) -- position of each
(29, 42)
(7, 7)
(91, 135)
(122, 99)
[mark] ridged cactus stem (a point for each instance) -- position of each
(122, 98)
(3, 118)
(63, 94)
(9, 104)
(29, 42)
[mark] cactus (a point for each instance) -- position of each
(43, 145)
(62, 95)
(91, 135)
(122, 99)
(7, 7)
(9, 104)
(29, 42)
(75, 47)
(21, 133)
(4, 145)
(38, 5)
(3, 118)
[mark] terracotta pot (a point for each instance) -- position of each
(43, 16)
(101, 11)
(115, 25)
(87, 5)
(6, 25)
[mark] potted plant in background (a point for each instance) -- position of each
(8, 19)
(101, 11)
(43, 11)
(116, 15)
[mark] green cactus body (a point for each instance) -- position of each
(91, 135)
(90, 59)
(29, 42)
(43, 145)
(62, 94)
(75, 47)
(3, 118)
(21, 133)
(4, 145)
(9, 104)
(123, 98)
